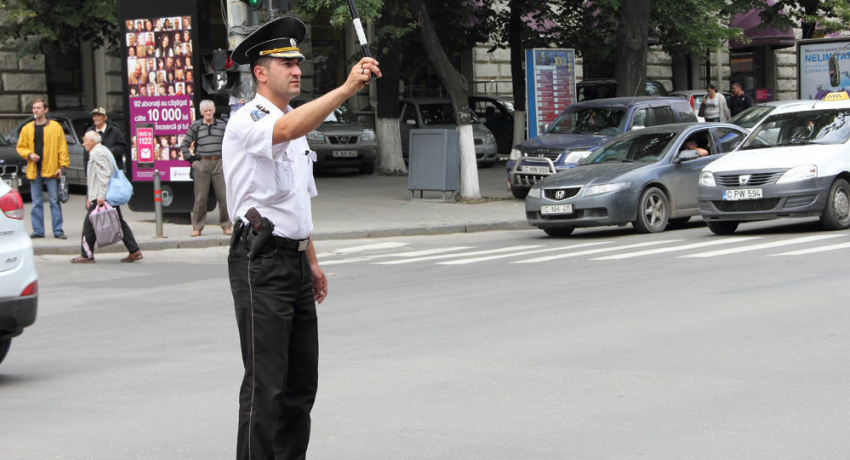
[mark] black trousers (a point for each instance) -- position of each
(89, 237)
(278, 331)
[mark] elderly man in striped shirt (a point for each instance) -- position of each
(205, 135)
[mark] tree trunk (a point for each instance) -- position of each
(517, 72)
(456, 85)
(633, 33)
(390, 159)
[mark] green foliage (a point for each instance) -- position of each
(678, 26)
(45, 26)
(813, 16)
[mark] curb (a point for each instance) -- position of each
(213, 241)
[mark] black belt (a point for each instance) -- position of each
(286, 243)
(211, 158)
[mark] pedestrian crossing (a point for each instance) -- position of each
(404, 253)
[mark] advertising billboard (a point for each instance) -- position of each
(550, 85)
(160, 85)
(813, 80)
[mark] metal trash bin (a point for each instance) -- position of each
(434, 161)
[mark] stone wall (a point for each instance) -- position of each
(492, 71)
(21, 82)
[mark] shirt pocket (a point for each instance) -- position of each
(284, 176)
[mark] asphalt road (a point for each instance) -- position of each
(497, 345)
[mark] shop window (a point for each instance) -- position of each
(64, 80)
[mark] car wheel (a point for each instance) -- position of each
(367, 168)
(4, 348)
(836, 215)
(559, 232)
(678, 223)
(722, 227)
(519, 192)
(653, 211)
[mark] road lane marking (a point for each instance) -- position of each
(514, 254)
(801, 252)
(686, 247)
(593, 251)
(756, 247)
(424, 252)
(463, 254)
(370, 247)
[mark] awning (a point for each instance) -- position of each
(750, 22)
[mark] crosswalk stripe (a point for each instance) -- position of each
(420, 253)
(801, 252)
(685, 247)
(514, 254)
(371, 247)
(447, 256)
(756, 247)
(593, 251)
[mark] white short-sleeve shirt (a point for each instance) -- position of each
(277, 180)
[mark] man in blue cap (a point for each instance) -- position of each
(275, 277)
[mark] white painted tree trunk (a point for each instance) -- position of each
(469, 189)
(390, 159)
(519, 126)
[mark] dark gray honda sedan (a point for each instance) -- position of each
(646, 177)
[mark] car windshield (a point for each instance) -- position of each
(440, 114)
(342, 114)
(648, 148)
(799, 128)
(588, 120)
(3, 141)
(752, 116)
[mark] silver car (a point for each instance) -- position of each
(647, 177)
(438, 113)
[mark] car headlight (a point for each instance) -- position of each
(24, 169)
(799, 173)
(577, 156)
(605, 188)
(315, 136)
(707, 179)
(516, 154)
(534, 192)
(367, 135)
(489, 138)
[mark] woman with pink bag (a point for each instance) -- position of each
(99, 171)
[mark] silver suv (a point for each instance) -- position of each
(18, 278)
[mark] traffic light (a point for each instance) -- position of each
(219, 72)
(255, 4)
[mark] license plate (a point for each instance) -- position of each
(344, 153)
(536, 169)
(743, 194)
(556, 209)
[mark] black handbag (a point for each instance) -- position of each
(63, 189)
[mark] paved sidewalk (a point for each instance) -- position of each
(348, 206)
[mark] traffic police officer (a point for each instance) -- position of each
(274, 275)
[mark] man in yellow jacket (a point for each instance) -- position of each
(42, 144)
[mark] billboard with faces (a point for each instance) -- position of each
(160, 81)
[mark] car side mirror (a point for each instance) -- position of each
(687, 155)
(70, 139)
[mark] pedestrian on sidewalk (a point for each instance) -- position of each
(111, 136)
(713, 106)
(206, 134)
(98, 173)
(740, 100)
(275, 277)
(42, 144)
